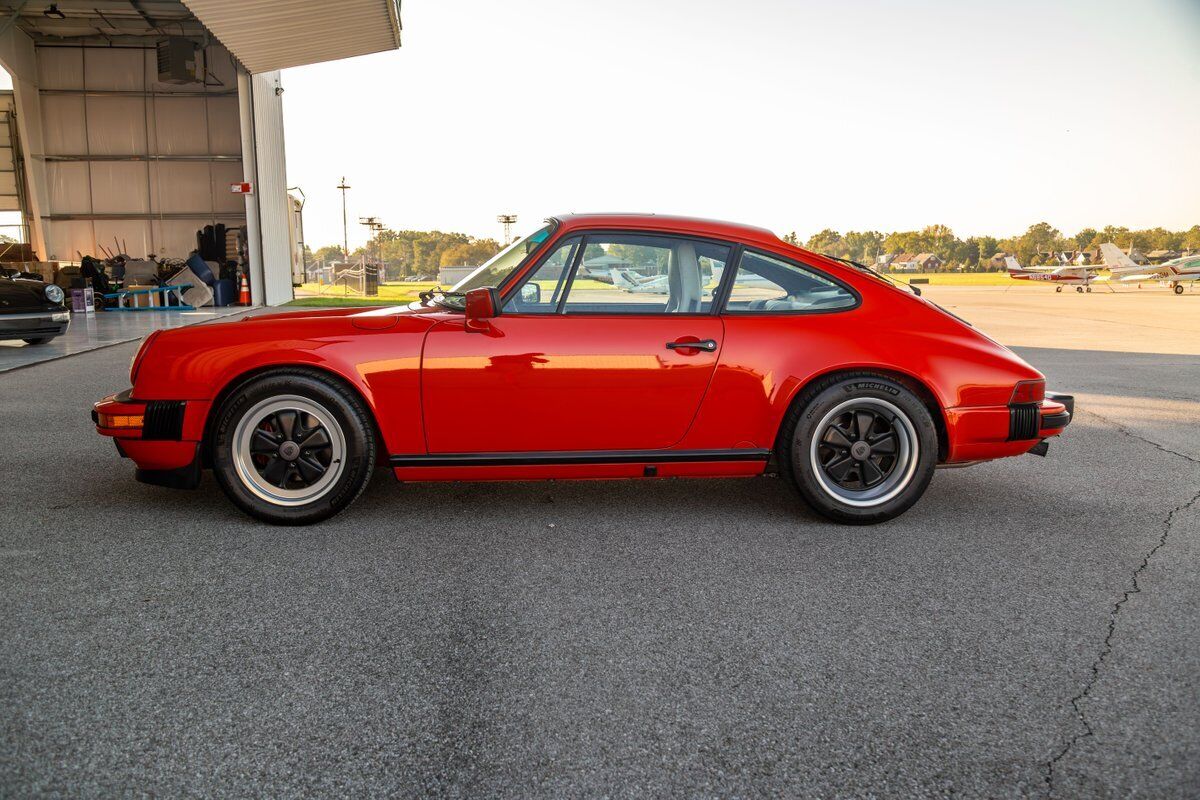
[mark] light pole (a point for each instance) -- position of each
(345, 230)
(507, 220)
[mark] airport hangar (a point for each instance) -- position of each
(136, 119)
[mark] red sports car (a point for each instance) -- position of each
(601, 346)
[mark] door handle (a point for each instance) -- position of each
(704, 344)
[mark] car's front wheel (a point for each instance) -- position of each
(293, 448)
(861, 449)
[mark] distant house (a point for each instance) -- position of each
(1062, 257)
(928, 262)
(884, 261)
(904, 262)
(448, 276)
(1159, 256)
(997, 260)
(1137, 256)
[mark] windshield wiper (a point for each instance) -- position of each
(877, 274)
(431, 296)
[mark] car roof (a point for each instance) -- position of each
(719, 229)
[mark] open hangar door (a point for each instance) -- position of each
(131, 163)
(135, 117)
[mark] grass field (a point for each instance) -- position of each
(390, 294)
(958, 278)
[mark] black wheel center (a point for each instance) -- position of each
(289, 451)
(859, 448)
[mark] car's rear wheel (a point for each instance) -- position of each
(293, 448)
(39, 340)
(861, 449)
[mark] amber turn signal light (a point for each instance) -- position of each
(121, 421)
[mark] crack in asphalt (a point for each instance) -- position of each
(1106, 647)
(1129, 432)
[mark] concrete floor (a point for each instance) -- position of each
(1028, 629)
(102, 329)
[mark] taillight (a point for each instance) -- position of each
(1029, 392)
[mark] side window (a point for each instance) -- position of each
(764, 285)
(541, 292)
(643, 274)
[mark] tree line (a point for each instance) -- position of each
(408, 253)
(423, 253)
(974, 252)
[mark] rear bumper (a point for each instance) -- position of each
(34, 324)
(161, 437)
(984, 433)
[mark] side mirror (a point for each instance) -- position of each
(482, 305)
(531, 294)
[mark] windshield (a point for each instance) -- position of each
(491, 274)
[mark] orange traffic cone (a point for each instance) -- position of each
(244, 294)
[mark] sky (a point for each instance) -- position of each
(856, 115)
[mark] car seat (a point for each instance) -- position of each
(683, 280)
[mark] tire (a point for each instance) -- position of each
(293, 447)
(1058, 289)
(1178, 288)
(39, 340)
(881, 482)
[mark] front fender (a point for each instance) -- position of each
(383, 366)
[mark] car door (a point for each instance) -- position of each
(580, 361)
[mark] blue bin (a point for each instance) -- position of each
(200, 269)
(224, 292)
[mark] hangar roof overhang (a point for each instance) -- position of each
(263, 35)
(268, 34)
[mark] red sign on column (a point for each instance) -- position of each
(241, 188)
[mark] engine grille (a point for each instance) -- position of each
(1023, 421)
(163, 420)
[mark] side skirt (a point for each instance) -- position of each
(580, 465)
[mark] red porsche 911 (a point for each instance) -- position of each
(600, 346)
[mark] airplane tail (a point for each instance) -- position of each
(1117, 261)
(620, 279)
(1013, 267)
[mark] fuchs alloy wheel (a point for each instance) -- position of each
(293, 447)
(861, 449)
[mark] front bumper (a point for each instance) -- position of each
(985, 433)
(34, 324)
(161, 437)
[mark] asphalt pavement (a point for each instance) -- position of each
(1029, 628)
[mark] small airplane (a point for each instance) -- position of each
(639, 284)
(1175, 272)
(1081, 278)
